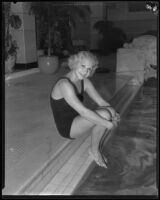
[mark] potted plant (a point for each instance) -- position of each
(112, 37)
(40, 36)
(56, 20)
(13, 21)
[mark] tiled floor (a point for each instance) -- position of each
(64, 180)
(31, 140)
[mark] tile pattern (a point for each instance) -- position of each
(64, 181)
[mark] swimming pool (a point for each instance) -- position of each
(31, 138)
(131, 153)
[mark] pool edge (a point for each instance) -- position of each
(93, 164)
(21, 73)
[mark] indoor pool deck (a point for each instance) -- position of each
(37, 159)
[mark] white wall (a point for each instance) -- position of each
(25, 35)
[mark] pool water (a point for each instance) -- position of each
(131, 153)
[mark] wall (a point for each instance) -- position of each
(25, 35)
(85, 31)
(82, 29)
(133, 23)
(97, 9)
(136, 27)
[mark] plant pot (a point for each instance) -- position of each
(9, 64)
(48, 64)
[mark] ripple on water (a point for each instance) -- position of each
(131, 155)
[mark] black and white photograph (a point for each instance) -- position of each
(80, 99)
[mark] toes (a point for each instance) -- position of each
(98, 159)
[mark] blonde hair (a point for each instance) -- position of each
(73, 60)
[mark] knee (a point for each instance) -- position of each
(112, 111)
(104, 113)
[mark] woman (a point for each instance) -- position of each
(72, 117)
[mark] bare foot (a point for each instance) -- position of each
(98, 158)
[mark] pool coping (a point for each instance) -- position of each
(72, 173)
(14, 75)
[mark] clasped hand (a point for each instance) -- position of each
(115, 116)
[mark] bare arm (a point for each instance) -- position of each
(69, 95)
(97, 98)
(94, 94)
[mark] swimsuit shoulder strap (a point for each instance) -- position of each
(64, 77)
(82, 86)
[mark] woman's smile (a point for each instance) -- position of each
(81, 76)
(84, 69)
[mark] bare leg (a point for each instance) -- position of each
(97, 134)
(79, 127)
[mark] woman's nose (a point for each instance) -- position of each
(86, 71)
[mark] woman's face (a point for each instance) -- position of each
(84, 69)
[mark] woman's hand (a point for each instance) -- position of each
(112, 124)
(116, 117)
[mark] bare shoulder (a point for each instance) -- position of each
(65, 87)
(64, 83)
(62, 87)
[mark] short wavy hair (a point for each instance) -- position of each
(73, 60)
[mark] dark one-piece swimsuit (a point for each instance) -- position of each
(63, 113)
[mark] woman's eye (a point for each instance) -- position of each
(88, 69)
